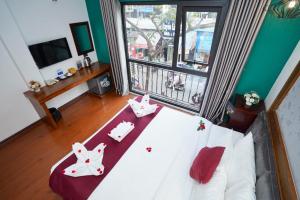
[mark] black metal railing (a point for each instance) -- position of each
(177, 88)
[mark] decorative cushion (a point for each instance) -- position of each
(206, 163)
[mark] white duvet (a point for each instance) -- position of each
(163, 173)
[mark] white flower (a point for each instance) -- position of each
(247, 95)
(251, 100)
(248, 103)
(248, 99)
(255, 95)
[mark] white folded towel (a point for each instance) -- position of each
(121, 131)
(142, 108)
(88, 162)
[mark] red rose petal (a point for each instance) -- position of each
(87, 160)
(99, 150)
(149, 149)
(79, 150)
(73, 171)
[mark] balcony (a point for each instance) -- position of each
(173, 87)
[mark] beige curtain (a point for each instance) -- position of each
(241, 26)
(112, 18)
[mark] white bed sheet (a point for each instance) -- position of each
(178, 185)
(163, 173)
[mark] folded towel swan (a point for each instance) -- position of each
(142, 108)
(88, 162)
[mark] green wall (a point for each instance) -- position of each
(95, 17)
(273, 46)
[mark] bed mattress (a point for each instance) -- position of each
(162, 173)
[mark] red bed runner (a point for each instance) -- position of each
(82, 187)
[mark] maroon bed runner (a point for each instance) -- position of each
(82, 187)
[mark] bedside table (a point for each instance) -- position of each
(243, 115)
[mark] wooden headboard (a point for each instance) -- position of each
(286, 182)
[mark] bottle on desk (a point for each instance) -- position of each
(86, 61)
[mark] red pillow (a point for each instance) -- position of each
(206, 163)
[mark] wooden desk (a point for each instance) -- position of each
(39, 99)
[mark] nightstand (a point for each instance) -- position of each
(243, 115)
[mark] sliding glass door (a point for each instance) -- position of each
(170, 48)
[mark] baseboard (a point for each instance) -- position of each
(24, 130)
(69, 103)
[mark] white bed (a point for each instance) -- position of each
(162, 173)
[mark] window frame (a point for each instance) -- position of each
(216, 30)
(141, 3)
(222, 5)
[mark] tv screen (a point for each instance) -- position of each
(51, 52)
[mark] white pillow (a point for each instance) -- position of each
(241, 191)
(220, 136)
(213, 190)
(241, 174)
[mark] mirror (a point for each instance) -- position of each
(82, 38)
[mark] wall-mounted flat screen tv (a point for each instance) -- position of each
(50, 52)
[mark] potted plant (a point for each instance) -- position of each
(251, 98)
(35, 86)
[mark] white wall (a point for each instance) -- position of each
(16, 111)
(283, 76)
(13, 39)
(26, 22)
(42, 20)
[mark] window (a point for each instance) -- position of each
(198, 36)
(170, 48)
(150, 31)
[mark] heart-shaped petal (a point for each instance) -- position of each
(149, 149)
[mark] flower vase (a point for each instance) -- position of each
(247, 106)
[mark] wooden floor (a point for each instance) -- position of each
(26, 159)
